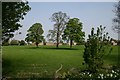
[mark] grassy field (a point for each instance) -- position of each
(23, 61)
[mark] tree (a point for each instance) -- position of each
(35, 34)
(97, 46)
(73, 31)
(51, 35)
(60, 20)
(12, 13)
(116, 26)
(116, 20)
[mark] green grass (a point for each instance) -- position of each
(21, 61)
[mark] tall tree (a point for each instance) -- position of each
(35, 34)
(73, 31)
(60, 20)
(12, 13)
(116, 20)
(116, 25)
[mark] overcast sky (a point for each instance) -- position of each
(91, 14)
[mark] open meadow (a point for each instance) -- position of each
(27, 61)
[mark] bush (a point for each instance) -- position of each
(14, 42)
(22, 42)
(81, 43)
(5, 44)
(112, 73)
(96, 47)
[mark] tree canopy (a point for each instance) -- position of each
(51, 35)
(12, 13)
(73, 31)
(35, 34)
(116, 20)
(60, 20)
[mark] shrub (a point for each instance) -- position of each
(81, 43)
(22, 42)
(5, 44)
(112, 73)
(14, 42)
(96, 47)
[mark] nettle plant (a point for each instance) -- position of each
(97, 45)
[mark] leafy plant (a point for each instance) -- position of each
(35, 34)
(113, 73)
(14, 42)
(73, 31)
(96, 47)
(22, 42)
(12, 13)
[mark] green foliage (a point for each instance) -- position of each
(22, 42)
(73, 31)
(96, 47)
(103, 74)
(51, 35)
(35, 34)
(5, 44)
(12, 13)
(82, 42)
(60, 20)
(14, 42)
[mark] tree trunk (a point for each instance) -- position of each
(57, 40)
(118, 48)
(57, 36)
(57, 45)
(71, 43)
(37, 44)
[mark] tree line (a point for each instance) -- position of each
(64, 29)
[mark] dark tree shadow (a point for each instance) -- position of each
(52, 48)
(6, 64)
(62, 48)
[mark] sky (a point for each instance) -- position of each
(91, 14)
(72, 0)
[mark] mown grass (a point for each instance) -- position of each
(23, 61)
